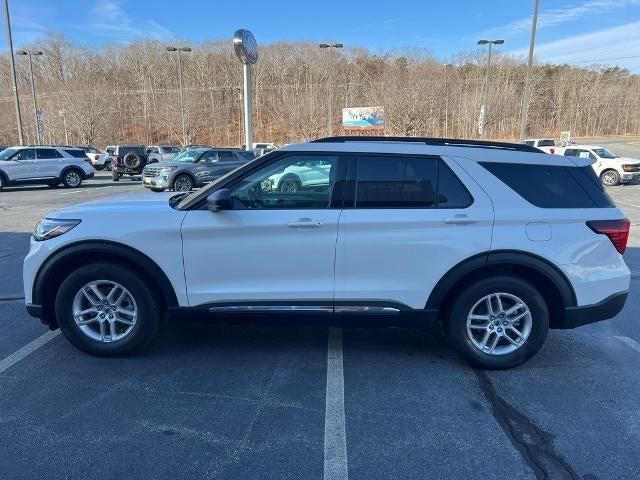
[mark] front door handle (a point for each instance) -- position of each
(305, 223)
(460, 220)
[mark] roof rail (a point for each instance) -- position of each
(453, 142)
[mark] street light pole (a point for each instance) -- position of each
(30, 54)
(484, 108)
(13, 72)
(182, 115)
(527, 81)
(330, 46)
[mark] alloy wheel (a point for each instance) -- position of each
(182, 184)
(499, 323)
(73, 179)
(104, 311)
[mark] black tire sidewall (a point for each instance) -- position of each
(456, 331)
(147, 322)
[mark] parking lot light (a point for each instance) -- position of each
(330, 47)
(485, 89)
(30, 54)
(182, 116)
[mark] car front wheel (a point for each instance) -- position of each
(183, 183)
(610, 178)
(106, 310)
(498, 322)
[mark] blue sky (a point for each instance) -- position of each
(569, 31)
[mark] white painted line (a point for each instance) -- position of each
(631, 342)
(15, 357)
(335, 438)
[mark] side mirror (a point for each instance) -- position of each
(220, 200)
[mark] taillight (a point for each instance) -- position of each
(552, 150)
(96, 157)
(616, 230)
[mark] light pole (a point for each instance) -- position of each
(13, 72)
(30, 54)
(63, 114)
(330, 46)
(483, 109)
(184, 123)
(246, 49)
(527, 81)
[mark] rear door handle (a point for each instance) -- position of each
(460, 220)
(305, 223)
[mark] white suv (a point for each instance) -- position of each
(496, 242)
(609, 167)
(44, 165)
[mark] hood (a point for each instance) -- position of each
(626, 160)
(166, 164)
(127, 203)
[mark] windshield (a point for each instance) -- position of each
(7, 152)
(189, 156)
(604, 153)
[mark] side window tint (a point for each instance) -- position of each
(209, 157)
(27, 154)
(550, 186)
(451, 192)
(47, 153)
(570, 152)
(226, 156)
(584, 154)
(396, 182)
(293, 182)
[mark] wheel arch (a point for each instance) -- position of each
(75, 168)
(53, 270)
(552, 283)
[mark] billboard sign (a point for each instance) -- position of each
(363, 118)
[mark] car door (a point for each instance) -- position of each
(48, 162)
(207, 167)
(271, 249)
(407, 220)
(22, 165)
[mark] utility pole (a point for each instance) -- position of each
(484, 108)
(527, 81)
(30, 54)
(12, 66)
(182, 115)
(330, 47)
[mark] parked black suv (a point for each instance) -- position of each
(128, 160)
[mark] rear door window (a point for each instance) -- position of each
(76, 153)
(226, 156)
(48, 153)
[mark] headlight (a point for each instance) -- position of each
(631, 168)
(51, 227)
(166, 169)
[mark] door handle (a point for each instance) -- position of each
(460, 220)
(305, 223)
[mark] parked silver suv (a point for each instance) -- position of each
(44, 165)
(193, 168)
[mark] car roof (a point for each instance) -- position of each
(584, 146)
(396, 146)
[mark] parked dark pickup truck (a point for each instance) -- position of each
(128, 160)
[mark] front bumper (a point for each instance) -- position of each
(585, 314)
(628, 177)
(159, 181)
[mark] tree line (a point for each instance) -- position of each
(129, 94)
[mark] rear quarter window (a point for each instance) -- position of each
(551, 186)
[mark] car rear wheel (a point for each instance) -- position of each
(183, 183)
(610, 178)
(498, 322)
(107, 166)
(290, 185)
(106, 310)
(71, 178)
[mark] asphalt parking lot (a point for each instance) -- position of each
(268, 401)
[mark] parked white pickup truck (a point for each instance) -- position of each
(547, 145)
(612, 169)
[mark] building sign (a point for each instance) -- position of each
(565, 137)
(363, 118)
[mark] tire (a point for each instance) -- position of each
(610, 178)
(98, 167)
(72, 178)
(53, 184)
(132, 160)
(107, 166)
(182, 183)
(157, 190)
(128, 337)
(3, 182)
(503, 354)
(290, 184)
(115, 176)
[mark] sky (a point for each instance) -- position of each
(583, 32)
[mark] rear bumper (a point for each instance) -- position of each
(583, 315)
(89, 175)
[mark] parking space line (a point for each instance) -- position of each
(628, 204)
(18, 355)
(631, 342)
(335, 441)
